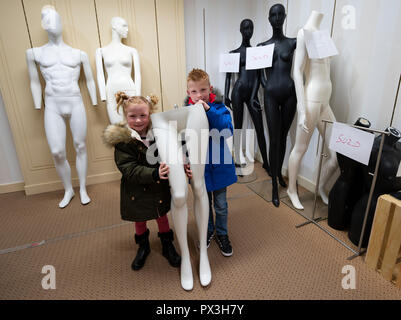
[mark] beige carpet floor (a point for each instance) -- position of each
(91, 249)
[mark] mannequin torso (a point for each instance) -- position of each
(118, 61)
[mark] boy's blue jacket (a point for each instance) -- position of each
(219, 168)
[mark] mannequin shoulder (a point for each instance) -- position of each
(33, 54)
(264, 43)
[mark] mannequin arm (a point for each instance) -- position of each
(298, 71)
(227, 100)
(101, 83)
(137, 71)
(36, 88)
(90, 82)
(255, 89)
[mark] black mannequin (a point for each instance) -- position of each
(279, 95)
(242, 91)
(348, 188)
(387, 182)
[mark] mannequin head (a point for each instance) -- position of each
(246, 29)
(51, 20)
(119, 26)
(394, 136)
(277, 16)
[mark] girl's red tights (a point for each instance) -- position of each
(162, 222)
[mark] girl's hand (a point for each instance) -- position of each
(163, 171)
(188, 170)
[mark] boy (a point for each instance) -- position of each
(218, 173)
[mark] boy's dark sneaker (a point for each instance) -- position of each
(210, 236)
(225, 245)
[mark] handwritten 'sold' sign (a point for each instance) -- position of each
(259, 57)
(229, 62)
(351, 142)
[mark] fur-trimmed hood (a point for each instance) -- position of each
(120, 132)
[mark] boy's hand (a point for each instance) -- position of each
(188, 170)
(163, 171)
(204, 104)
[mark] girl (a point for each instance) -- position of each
(145, 192)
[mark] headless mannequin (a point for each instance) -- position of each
(348, 188)
(60, 66)
(168, 145)
(387, 182)
(118, 59)
(279, 95)
(313, 106)
(241, 93)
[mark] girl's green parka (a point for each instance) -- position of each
(143, 195)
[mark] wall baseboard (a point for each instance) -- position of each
(12, 187)
(57, 185)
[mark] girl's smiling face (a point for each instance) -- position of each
(138, 117)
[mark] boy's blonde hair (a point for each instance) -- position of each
(197, 75)
(123, 100)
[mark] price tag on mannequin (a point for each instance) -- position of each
(259, 57)
(229, 62)
(319, 44)
(351, 142)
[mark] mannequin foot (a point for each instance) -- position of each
(68, 195)
(276, 199)
(187, 281)
(240, 165)
(267, 168)
(84, 197)
(205, 273)
(281, 181)
(324, 196)
(295, 200)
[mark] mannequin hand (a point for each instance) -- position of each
(255, 104)
(302, 123)
(204, 104)
(163, 171)
(227, 103)
(188, 170)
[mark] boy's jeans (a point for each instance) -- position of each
(221, 210)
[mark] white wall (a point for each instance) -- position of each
(365, 75)
(10, 171)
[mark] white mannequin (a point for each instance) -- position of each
(60, 66)
(118, 59)
(313, 106)
(169, 147)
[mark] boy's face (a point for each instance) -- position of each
(199, 90)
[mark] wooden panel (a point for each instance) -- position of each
(142, 35)
(393, 246)
(375, 247)
(170, 26)
(14, 82)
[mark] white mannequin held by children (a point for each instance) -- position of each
(60, 66)
(166, 128)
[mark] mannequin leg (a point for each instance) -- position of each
(288, 110)
(55, 129)
(197, 122)
(114, 116)
(78, 130)
(256, 115)
(238, 113)
(301, 145)
(273, 118)
(331, 163)
(166, 135)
